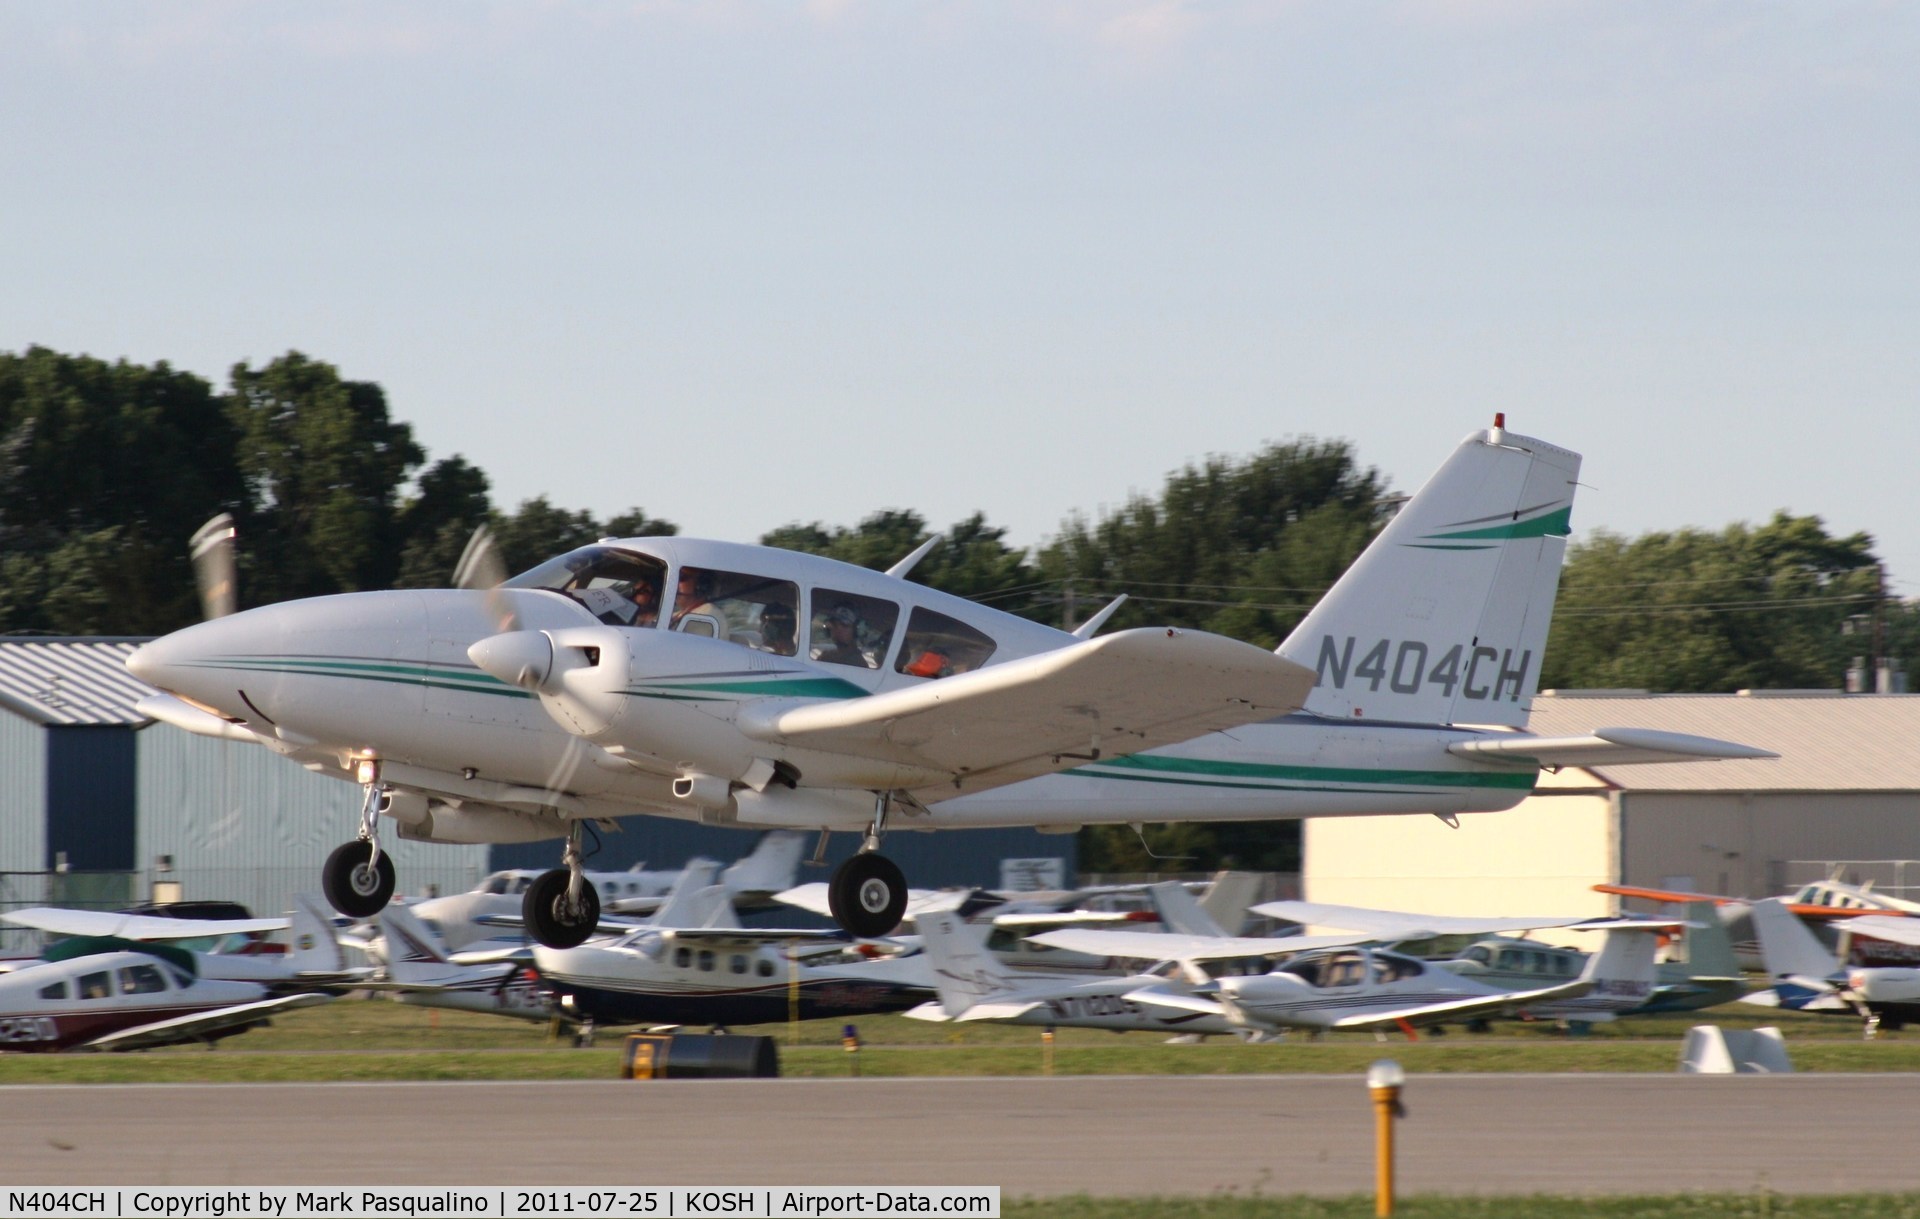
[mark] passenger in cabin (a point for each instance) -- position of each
(777, 626)
(843, 638)
(694, 596)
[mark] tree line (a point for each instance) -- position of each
(107, 468)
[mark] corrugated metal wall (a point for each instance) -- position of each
(247, 825)
(23, 796)
(1738, 844)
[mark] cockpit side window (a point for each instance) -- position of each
(755, 612)
(939, 646)
(620, 587)
(849, 629)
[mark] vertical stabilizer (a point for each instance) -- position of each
(964, 972)
(772, 867)
(316, 946)
(1443, 619)
(1180, 912)
(1709, 947)
(1624, 968)
(1789, 949)
(687, 904)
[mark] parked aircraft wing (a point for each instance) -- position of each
(718, 937)
(61, 921)
(1895, 928)
(1801, 910)
(1179, 1000)
(1607, 747)
(1402, 925)
(187, 1028)
(1168, 946)
(1510, 1002)
(1117, 694)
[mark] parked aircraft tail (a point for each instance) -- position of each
(772, 867)
(964, 971)
(1623, 968)
(1789, 949)
(1443, 618)
(316, 944)
(408, 941)
(696, 900)
(1180, 912)
(1709, 947)
(1228, 899)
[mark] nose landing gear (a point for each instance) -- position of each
(358, 878)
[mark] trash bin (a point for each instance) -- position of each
(699, 1056)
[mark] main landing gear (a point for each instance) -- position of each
(868, 893)
(358, 878)
(561, 907)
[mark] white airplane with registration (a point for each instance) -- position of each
(748, 686)
(101, 993)
(973, 983)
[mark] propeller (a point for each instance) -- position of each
(213, 566)
(480, 567)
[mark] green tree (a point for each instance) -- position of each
(973, 558)
(1688, 610)
(324, 465)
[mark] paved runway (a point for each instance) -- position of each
(1492, 1134)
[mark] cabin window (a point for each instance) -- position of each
(848, 629)
(1393, 969)
(96, 986)
(706, 960)
(753, 611)
(141, 980)
(1480, 954)
(683, 957)
(939, 646)
(619, 587)
(54, 990)
(763, 967)
(1347, 969)
(737, 963)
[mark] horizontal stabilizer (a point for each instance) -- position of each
(1607, 747)
(1169, 946)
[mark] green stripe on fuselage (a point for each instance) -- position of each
(1160, 768)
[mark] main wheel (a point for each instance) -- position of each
(551, 919)
(868, 895)
(356, 888)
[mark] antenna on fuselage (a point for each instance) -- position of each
(1086, 629)
(899, 570)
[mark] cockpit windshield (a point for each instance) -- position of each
(618, 586)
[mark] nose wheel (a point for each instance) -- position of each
(867, 895)
(356, 883)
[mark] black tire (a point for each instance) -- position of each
(868, 895)
(353, 888)
(548, 919)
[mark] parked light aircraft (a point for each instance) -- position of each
(462, 920)
(975, 984)
(1819, 903)
(1344, 988)
(419, 971)
(314, 960)
(1807, 975)
(101, 993)
(776, 689)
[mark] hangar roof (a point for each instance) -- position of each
(68, 681)
(1827, 741)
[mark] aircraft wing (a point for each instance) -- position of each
(1895, 928)
(62, 921)
(184, 1028)
(1511, 1001)
(1114, 695)
(716, 937)
(1606, 747)
(1167, 946)
(1802, 910)
(1397, 925)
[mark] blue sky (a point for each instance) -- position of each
(744, 264)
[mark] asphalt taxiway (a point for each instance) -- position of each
(1473, 1134)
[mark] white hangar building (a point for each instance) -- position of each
(1844, 791)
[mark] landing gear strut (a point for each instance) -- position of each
(561, 907)
(868, 893)
(358, 878)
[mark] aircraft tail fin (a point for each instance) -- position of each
(771, 867)
(415, 955)
(1709, 947)
(1787, 946)
(964, 971)
(685, 904)
(1624, 965)
(316, 942)
(1180, 912)
(1443, 618)
(1228, 899)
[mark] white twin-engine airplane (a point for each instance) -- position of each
(746, 686)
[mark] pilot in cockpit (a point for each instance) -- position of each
(777, 625)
